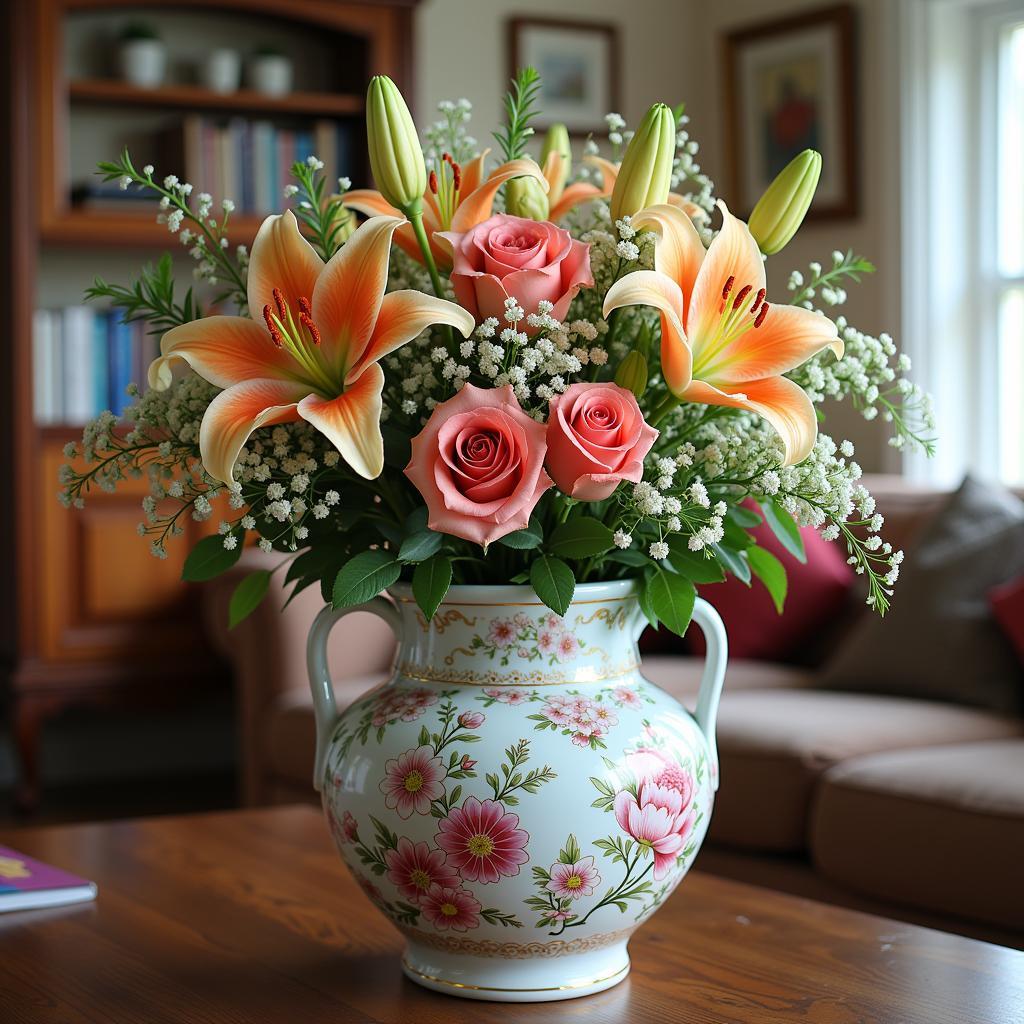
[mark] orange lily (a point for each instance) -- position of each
(314, 353)
(562, 198)
(721, 341)
(460, 200)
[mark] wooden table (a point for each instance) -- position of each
(250, 917)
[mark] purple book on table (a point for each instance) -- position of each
(26, 883)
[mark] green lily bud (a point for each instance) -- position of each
(557, 141)
(632, 373)
(781, 210)
(645, 175)
(395, 155)
(525, 197)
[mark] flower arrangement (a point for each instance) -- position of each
(547, 372)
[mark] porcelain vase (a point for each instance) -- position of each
(517, 799)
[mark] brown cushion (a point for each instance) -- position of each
(775, 745)
(680, 675)
(289, 734)
(940, 828)
(940, 640)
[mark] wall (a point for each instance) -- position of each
(670, 51)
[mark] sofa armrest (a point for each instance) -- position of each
(267, 652)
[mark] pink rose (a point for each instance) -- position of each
(513, 257)
(479, 464)
(597, 436)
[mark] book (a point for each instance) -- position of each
(46, 393)
(119, 340)
(26, 884)
(78, 404)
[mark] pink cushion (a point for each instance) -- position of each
(1007, 603)
(817, 592)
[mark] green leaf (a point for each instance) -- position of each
(209, 558)
(783, 526)
(246, 597)
(734, 562)
(646, 605)
(771, 572)
(553, 582)
(397, 446)
(420, 546)
(743, 516)
(416, 520)
(629, 557)
(522, 540)
(430, 582)
(693, 564)
(364, 577)
(580, 538)
(672, 597)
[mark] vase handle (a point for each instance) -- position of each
(325, 710)
(715, 660)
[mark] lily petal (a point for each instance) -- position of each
(351, 422)
(476, 207)
(403, 316)
(689, 208)
(223, 350)
(778, 400)
(679, 252)
(735, 254)
(609, 172)
(787, 338)
(649, 288)
(235, 413)
(576, 194)
(473, 173)
(372, 204)
(281, 258)
(349, 291)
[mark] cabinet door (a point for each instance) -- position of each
(101, 596)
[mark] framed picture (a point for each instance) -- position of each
(789, 86)
(578, 63)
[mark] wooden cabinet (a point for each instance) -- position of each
(87, 613)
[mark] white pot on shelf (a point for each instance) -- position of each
(221, 70)
(143, 62)
(271, 74)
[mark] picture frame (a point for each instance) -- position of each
(578, 62)
(790, 85)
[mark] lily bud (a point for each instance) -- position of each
(557, 141)
(781, 210)
(645, 176)
(395, 155)
(525, 197)
(632, 373)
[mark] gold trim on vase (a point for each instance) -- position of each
(442, 622)
(516, 950)
(521, 604)
(493, 988)
(538, 677)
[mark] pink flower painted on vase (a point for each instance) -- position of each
(651, 764)
(483, 840)
(467, 763)
(416, 868)
(515, 257)
(568, 647)
(574, 880)
(472, 719)
(626, 697)
(349, 827)
(412, 781)
(547, 641)
(512, 697)
(370, 889)
(449, 908)
(603, 716)
(658, 819)
(556, 714)
(502, 633)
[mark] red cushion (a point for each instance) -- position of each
(1007, 603)
(818, 591)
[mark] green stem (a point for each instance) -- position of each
(668, 403)
(416, 219)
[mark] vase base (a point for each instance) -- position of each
(539, 980)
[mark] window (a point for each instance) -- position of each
(962, 166)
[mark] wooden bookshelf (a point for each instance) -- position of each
(89, 615)
(191, 97)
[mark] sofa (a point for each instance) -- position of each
(900, 806)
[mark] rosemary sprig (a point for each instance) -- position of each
(520, 108)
